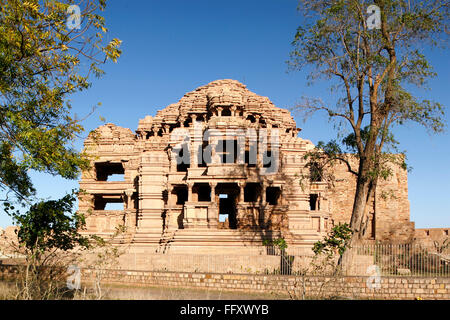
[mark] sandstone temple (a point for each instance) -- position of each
(223, 169)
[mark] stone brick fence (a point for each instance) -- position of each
(354, 287)
(315, 287)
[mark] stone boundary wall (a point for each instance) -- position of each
(320, 287)
(315, 286)
(429, 235)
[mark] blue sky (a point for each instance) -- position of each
(172, 47)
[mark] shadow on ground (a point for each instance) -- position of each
(164, 293)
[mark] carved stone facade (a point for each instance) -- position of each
(240, 185)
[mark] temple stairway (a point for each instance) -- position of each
(211, 241)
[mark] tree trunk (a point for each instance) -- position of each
(371, 196)
(358, 213)
(360, 202)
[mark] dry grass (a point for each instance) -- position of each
(8, 290)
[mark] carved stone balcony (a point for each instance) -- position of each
(105, 187)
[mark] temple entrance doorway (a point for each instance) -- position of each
(227, 195)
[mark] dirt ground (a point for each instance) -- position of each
(123, 292)
(165, 293)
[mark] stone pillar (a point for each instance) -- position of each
(241, 193)
(213, 141)
(190, 185)
(130, 218)
(261, 218)
(252, 144)
(195, 141)
(263, 193)
(213, 191)
(170, 196)
(128, 195)
(173, 159)
(166, 129)
(171, 201)
(86, 206)
(213, 212)
(152, 183)
(262, 148)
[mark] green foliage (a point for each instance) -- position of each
(371, 67)
(49, 225)
(315, 171)
(49, 239)
(280, 243)
(12, 174)
(325, 155)
(42, 61)
(337, 241)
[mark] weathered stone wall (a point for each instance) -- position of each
(388, 216)
(355, 287)
(8, 242)
(430, 236)
(319, 287)
(201, 262)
